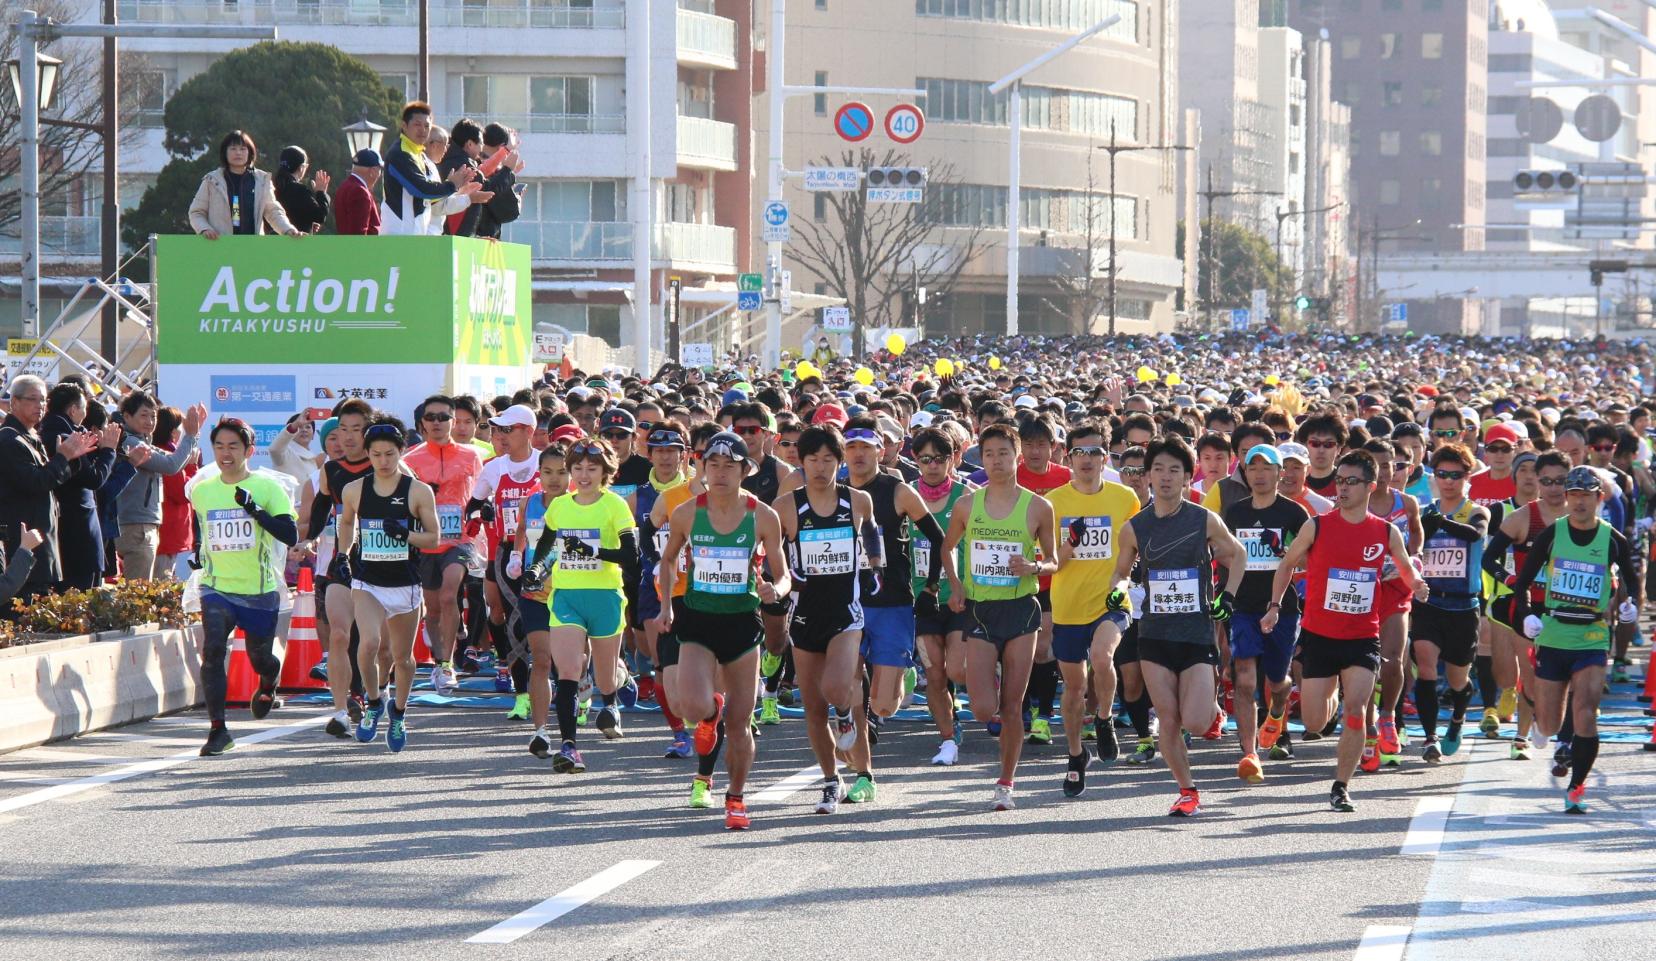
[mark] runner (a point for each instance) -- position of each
(752, 421)
(352, 418)
(1134, 697)
(666, 459)
(940, 633)
(376, 530)
(1088, 615)
(1179, 541)
(1389, 502)
(1343, 555)
(1572, 639)
(726, 532)
(1324, 436)
(533, 611)
(827, 527)
(450, 470)
(497, 503)
(1009, 533)
(1265, 524)
(1039, 473)
(243, 517)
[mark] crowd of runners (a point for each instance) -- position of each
(1020, 534)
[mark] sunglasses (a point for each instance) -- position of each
(1283, 437)
(1451, 475)
(1132, 472)
(587, 447)
(929, 459)
(1350, 481)
(1088, 450)
(1551, 482)
(1323, 444)
(1399, 466)
(1446, 432)
(618, 434)
(1498, 448)
(749, 431)
(1605, 448)
(787, 443)
(645, 426)
(438, 418)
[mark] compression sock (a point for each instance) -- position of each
(707, 763)
(1583, 752)
(674, 722)
(1458, 700)
(1043, 687)
(1489, 692)
(1426, 704)
(520, 676)
(1139, 711)
(566, 691)
(499, 641)
(1566, 731)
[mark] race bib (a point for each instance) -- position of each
(1444, 559)
(1175, 591)
(992, 563)
(1576, 583)
(509, 514)
(721, 570)
(449, 521)
(573, 562)
(1350, 592)
(229, 530)
(377, 547)
(1097, 541)
(1258, 541)
(532, 535)
(661, 537)
(922, 556)
(826, 551)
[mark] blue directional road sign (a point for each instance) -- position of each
(749, 300)
(1239, 318)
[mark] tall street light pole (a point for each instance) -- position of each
(1212, 243)
(1114, 148)
(1014, 198)
(1281, 215)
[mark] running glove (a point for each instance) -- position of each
(575, 547)
(339, 569)
(1628, 612)
(244, 500)
(1116, 600)
(535, 577)
(514, 565)
(1222, 607)
(1077, 531)
(1532, 627)
(396, 531)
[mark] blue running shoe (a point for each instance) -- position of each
(993, 726)
(681, 746)
(627, 694)
(397, 737)
(1452, 740)
(503, 681)
(368, 727)
(568, 760)
(319, 671)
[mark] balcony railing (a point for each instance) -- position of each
(696, 243)
(385, 13)
(573, 241)
(563, 122)
(706, 143)
(59, 237)
(707, 39)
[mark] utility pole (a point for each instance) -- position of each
(1115, 148)
(1281, 215)
(1213, 243)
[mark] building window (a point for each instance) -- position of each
(822, 4)
(1391, 94)
(558, 104)
(1351, 48)
(144, 96)
(474, 94)
(1293, 115)
(1068, 15)
(1353, 94)
(1293, 163)
(819, 102)
(1431, 46)
(1431, 143)
(1391, 193)
(1431, 96)
(1391, 143)
(402, 83)
(1388, 46)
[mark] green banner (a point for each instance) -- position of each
(322, 299)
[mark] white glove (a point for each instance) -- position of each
(1135, 597)
(1628, 612)
(1644, 524)
(514, 564)
(1532, 626)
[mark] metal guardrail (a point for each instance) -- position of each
(384, 13)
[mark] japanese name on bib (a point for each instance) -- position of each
(1176, 591)
(721, 570)
(572, 562)
(1350, 592)
(992, 563)
(826, 551)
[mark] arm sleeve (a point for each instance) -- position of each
(934, 533)
(1539, 554)
(281, 527)
(1439, 524)
(646, 540)
(1494, 558)
(321, 506)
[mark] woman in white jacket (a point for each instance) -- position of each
(291, 452)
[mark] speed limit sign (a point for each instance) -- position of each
(905, 123)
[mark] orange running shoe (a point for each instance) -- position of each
(1371, 757)
(1249, 769)
(1217, 731)
(736, 816)
(1271, 730)
(707, 729)
(1387, 741)
(1189, 803)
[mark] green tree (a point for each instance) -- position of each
(1243, 261)
(280, 93)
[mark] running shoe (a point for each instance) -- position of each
(1452, 739)
(520, 709)
(874, 722)
(503, 681)
(768, 714)
(1002, 799)
(1089, 728)
(1108, 747)
(681, 746)
(541, 744)
(789, 696)
(1271, 730)
(319, 670)
(1249, 769)
(829, 800)
(1311, 735)
(701, 793)
(846, 727)
(568, 760)
(993, 726)
(1490, 725)
(263, 699)
(218, 741)
(1216, 730)
(354, 706)
(443, 679)
(469, 662)
(337, 726)
(1432, 753)
(769, 664)
(647, 689)
(862, 790)
(1189, 803)
(707, 729)
(368, 727)
(1145, 753)
(1339, 799)
(1282, 751)
(1075, 779)
(627, 694)
(1618, 675)
(1507, 705)
(1519, 750)
(1561, 760)
(1040, 731)
(1370, 761)
(947, 753)
(1575, 800)
(609, 722)
(396, 736)
(911, 680)
(581, 713)
(1386, 740)
(736, 816)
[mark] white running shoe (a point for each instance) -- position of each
(947, 754)
(828, 803)
(847, 728)
(1003, 798)
(443, 679)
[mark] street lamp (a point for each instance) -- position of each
(1114, 148)
(46, 78)
(1283, 214)
(363, 135)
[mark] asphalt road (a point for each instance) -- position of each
(125, 844)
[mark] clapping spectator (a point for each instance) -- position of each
(500, 168)
(138, 508)
(29, 476)
(177, 533)
(79, 533)
(356, 212)
(236, 198)
(291, 451)
(416, 198)
(306, 206)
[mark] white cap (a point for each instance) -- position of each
(1025, 400)
(921, 418)
(517, 415)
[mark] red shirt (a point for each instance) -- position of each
(1342, 583)
(355, 209)
(1056, 476)
(1484, 489)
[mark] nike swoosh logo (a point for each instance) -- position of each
(1160, 550)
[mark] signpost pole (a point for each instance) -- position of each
(773, 249)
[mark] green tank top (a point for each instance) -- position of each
(922, 548)
(1578, 580)
(721, 565)
(991, 543)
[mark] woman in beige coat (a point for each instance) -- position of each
(236, 198)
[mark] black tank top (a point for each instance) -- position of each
(375, 558)
(825, 553)
(896, 581)
(767, 482)
(339, 474)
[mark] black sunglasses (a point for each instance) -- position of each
(439, 418)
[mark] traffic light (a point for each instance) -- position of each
(1302, 303)
(1546, 182)
(896, 177)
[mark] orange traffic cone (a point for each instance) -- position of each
(304, 647)
(422, 650)
(241, 681)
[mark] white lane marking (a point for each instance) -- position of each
(1426, 827)
(787, 785)
(149, 766)
(1383, 942)
(1505, 906)
(48, 754)
(134, 737)
(200, 721)
(562, 903)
